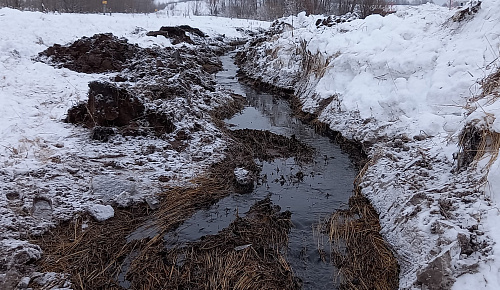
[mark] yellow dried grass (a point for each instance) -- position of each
(363, 258)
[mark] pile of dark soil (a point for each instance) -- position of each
(178, 34)
(111, 106)
(155, 77)
(97, 54)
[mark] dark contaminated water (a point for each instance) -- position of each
(310, 191)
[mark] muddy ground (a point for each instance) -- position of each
(150, 112)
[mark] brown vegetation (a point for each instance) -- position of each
(363, 258)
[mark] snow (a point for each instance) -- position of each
(406, 85)
(242, 176)
(101, 212)
(51, 171)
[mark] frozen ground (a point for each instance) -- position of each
(50, 170)
(408, 86)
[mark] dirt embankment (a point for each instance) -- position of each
(156, 74)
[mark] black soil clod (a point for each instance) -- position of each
(97, 54)
(178, 33)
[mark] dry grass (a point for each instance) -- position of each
(314, 63)
(96, 256)
(475, 143)
(491, 84)
(93, 256)
(216, 262)
(364, 260)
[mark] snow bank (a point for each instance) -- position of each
(406, 85)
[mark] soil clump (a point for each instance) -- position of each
(178, 34)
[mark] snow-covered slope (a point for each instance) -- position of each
(408, 85)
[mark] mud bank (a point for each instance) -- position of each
(426, 206)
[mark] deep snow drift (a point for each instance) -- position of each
(410, 86)
(51, 170)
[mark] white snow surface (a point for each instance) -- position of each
(49, 170)
(406, 85)
(101, 212)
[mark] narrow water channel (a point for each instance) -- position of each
(310, 191)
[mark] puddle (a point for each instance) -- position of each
(310, 191)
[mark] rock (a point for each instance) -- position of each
(101, 212)
(437, 275)
(243, 176)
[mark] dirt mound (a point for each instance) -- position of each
(97, 54)
(164, 86)
(178, 34)
(111, 106)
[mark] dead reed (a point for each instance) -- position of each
(363, 258)
(91, 252)
(477, 142)
(249, 254)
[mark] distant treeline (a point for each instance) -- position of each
(272, 9)
(84, 6)
(253, 9)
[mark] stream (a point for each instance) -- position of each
(310, 191)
